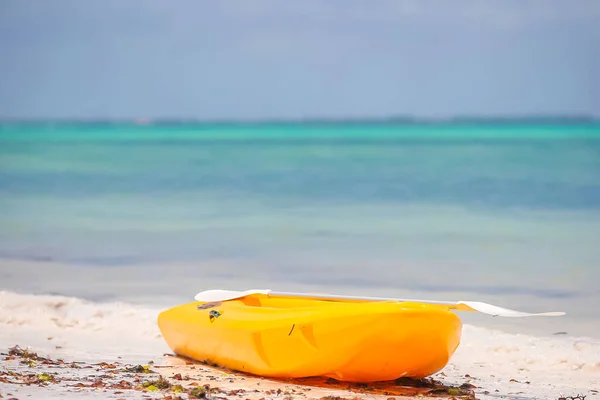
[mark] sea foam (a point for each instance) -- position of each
(50, 312)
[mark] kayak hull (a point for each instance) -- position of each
(290, 338)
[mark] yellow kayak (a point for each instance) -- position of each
(296, 338)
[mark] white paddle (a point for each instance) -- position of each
(217, 295)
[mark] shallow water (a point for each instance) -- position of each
(505, 213)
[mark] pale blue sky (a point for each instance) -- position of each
(291, 59)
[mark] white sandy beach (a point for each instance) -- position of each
(499, 365)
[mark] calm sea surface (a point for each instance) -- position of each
(506, 210)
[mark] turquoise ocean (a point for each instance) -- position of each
(501, 212)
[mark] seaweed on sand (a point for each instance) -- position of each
(158, 384)
(200, 392)
(434, 387)
(139, 369)
(20, 378)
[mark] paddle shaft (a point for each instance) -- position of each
(319, 296)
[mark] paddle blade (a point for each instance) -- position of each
(216, 295)
(501, 312)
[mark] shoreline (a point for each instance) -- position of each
(147, 285)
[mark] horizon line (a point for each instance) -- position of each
(555, 118)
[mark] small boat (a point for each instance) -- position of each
(351, 341)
